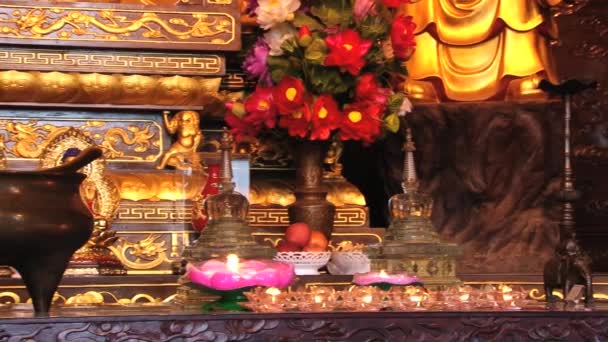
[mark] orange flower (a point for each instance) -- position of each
(325, 117)
(289, 95)
(362, 121)
(347, 50)
(297, 122)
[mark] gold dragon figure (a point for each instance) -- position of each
(141, 140)
(39, 23)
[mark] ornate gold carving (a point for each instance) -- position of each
(154, 213)
(277, 217)
(58, 87)
(26, 138)
(105, 297)
(110, 25)
(154, 186)
(183, 154)
(11, 296)
(144, 254)
(115, 61)
(2, 154)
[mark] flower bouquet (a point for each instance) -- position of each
(325, 70)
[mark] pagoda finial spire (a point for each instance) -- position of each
(226, 142)
(410, 180)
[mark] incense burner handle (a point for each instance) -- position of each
(84, 158)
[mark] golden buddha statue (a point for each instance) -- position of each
(480, 50)
(182, 154)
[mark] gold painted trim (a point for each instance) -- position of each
(112, 62)
(98, 10)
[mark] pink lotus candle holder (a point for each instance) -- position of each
(230, 278)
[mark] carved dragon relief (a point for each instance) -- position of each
(114, 25)
(27, 138)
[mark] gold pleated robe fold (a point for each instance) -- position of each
(473, 46)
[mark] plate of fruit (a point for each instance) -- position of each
(304, 248)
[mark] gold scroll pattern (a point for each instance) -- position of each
(277, 217)
(90, 298)
(61, 87)
(130, 141)
(109, 25)
(107, 62)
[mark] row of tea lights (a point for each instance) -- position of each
(397, 298)
(372, 291)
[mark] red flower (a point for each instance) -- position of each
(346, 50)
(289, 94)
(260, 109)
(296, 122)
(394, 3)
(241, 128)
(325, 117)
(304, 31)
(367, 89)
(402, 36)
(361, 121)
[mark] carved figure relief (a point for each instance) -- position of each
(183, 152)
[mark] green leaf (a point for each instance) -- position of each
(392, 123)
(374, 28)
(333, 13)
(302, 19)
(316, 51)
(395, 101)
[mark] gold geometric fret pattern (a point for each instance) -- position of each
(273, 217)
(121, 140)
(82, 24)
(115, 61)
(154, 213)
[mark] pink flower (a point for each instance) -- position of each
(255, 62)
(362, 8)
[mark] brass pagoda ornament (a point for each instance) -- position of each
(411, 243)
(227, 231)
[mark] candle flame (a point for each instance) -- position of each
(232, 263)
(383, 274)
(506, 289)
(273, 291)
(318, 299)
(367, 299)
(464, 297)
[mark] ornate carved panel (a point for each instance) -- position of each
(114, 25)
(123, 140)
(352, 327)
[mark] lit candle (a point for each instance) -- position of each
(273, 292)
(234, 273)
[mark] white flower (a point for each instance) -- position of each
(406, 107)
(277, 36)
(272, 12)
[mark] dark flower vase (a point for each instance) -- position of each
(43, 221)
(311, 205)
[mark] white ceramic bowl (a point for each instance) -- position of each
(305, 263)
(348, 263)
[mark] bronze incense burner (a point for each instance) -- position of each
(43, 221)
